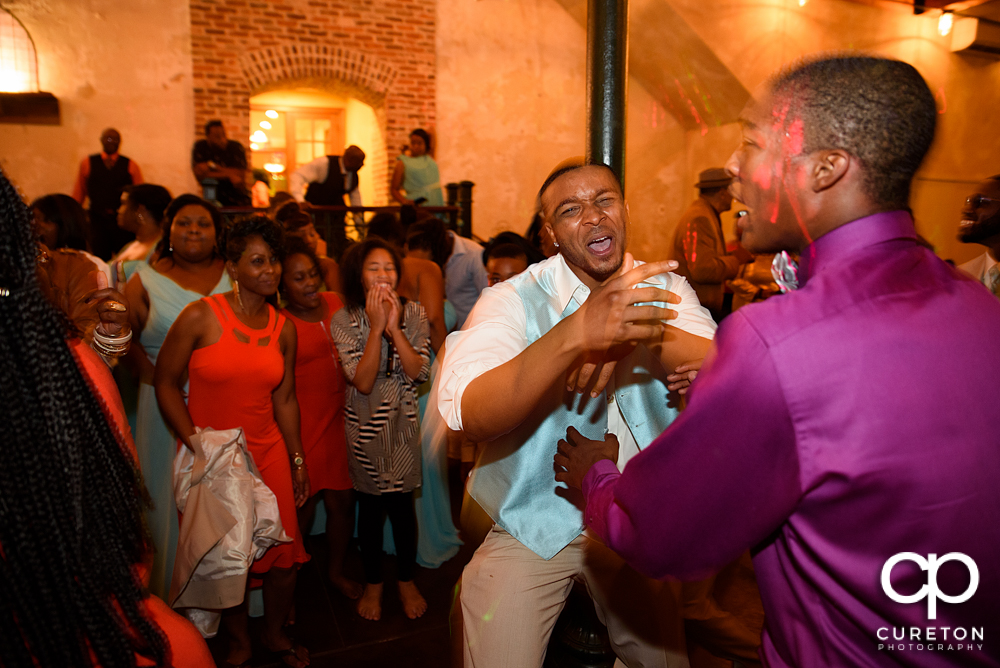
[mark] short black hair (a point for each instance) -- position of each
(878, 110)
(286, 211)
(353, 262)
(430, 235)
(423, 134)
(297, 246)
(68, 216)
(386, 226)
(505, 250)
(572, 166)
(236, 236)
(214, 123)
(280, 198)
(511, 244)
(155, 198)
(174, 208)
(295, 221)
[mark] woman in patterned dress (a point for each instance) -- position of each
(384, 345)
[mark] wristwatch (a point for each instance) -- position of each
(298, 462)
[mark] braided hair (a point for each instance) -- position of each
(70, 497)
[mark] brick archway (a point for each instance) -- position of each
(333, 70)
(369, 77)
(381, 53)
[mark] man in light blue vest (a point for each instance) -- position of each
(589, 319)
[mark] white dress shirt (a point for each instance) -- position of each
(316, 172)
(495, 333)
(979, 269)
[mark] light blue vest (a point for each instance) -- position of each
(514, 479)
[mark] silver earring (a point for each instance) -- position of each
(556, 244)
(171, 246)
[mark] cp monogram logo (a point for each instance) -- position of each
(930, 590)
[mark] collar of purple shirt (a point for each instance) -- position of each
(851, 237)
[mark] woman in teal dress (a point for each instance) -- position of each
(416, 175)
(189, 268)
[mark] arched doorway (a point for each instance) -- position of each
(292, 125)
(320, 87)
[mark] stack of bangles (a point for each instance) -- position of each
(111, 346)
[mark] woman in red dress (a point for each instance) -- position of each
(239, 354)
(319, 386)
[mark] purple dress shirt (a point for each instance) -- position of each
(839, 425)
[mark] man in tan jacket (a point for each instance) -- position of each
(700, 245)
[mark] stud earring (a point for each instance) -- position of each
(556, 244)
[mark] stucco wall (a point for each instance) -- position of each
(111, 64)
(512, 104)
(755, 38)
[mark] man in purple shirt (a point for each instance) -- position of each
(847, 431)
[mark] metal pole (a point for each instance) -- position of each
(465, 201)
(607, 82)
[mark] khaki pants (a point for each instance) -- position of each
(511, 599)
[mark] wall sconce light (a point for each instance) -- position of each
(266, 125)
(20, 100)
(258, 137)
(274, 168)
(945, 23)
(271, 113)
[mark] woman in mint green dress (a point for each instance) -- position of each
(189, 268)
(416, 175)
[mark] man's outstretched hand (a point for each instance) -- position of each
(577, 454)
(615, 317)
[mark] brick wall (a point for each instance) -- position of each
(381, 52)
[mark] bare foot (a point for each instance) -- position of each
(238, 655)
(370, 603)
(286, 651)
(414, 604)
(347, 586)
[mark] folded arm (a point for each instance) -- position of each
(729, 462)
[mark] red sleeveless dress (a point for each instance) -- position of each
(230, 386)
(320, 385)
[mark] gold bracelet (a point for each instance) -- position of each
(111, 346)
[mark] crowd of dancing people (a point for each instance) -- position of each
(322, 366)
(181, 416)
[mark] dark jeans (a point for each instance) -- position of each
(372, 510)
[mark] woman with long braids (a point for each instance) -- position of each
(71, 529)
(238, 352)
(189, 267)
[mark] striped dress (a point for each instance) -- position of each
(383, 427)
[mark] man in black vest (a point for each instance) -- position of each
(102, 176)
(329, 178)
